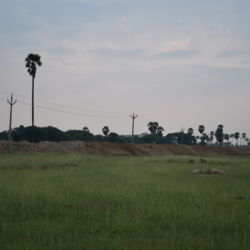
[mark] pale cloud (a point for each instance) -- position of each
(177, 54)
(95, 51)
(232, 53)
(245, 62)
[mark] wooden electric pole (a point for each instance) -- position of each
(133, 117)
(11, 104)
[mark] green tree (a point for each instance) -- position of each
(85, 130)
(211, 136)
(203, 138)
(160, 130)
(152, 127)
(114, 137)
(232, 137)
(105, 131)
(98, 138)
(247, 140)
(219, 134)
(201, 129)
(243, 136)
(237, 136)
(226, 137)
(190, 131)
(32, 61)
(87, 136)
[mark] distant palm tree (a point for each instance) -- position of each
(105, 130)
(226, 137)
(190, 131)
(247, 140)
(204, 137)
(33, 60)
(243, 136)
(211, 136)
(201, 129)
(232, 137)
(85, 129)
(236, 136)
(219, 134)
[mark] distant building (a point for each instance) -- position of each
(141, 135)
(174, 141)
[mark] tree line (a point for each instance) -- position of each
(220, 136)
(50, 133)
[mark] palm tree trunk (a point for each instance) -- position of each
(33, 108)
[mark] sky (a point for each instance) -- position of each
(180, 63)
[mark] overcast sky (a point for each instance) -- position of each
(180, 63)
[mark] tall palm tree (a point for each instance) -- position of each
(32, 61)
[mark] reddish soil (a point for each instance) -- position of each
(122, 149)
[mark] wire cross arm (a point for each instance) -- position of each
(11, 102)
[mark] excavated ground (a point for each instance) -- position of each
(122, 149)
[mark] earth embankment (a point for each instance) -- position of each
(122, 149)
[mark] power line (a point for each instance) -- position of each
(67, 106)
(112, 114)
(73, 113)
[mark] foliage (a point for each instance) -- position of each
(187, 138)
(160, 130)
(219, 134)
(114, 137)
(105, 130)
(98, 138)
(201, 129)
(237, 136)
(152, 127)
(226, 137)
(190, 131)
(33, 60)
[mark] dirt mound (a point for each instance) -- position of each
(119, 149)
(203, 161)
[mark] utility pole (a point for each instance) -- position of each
(11, 104)
(133, 117)
(182, 130)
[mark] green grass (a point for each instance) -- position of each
(123, 203)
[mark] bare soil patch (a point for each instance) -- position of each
(119, 149)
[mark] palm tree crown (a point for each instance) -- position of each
(31, 61)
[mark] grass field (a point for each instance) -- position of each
(90, 202)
